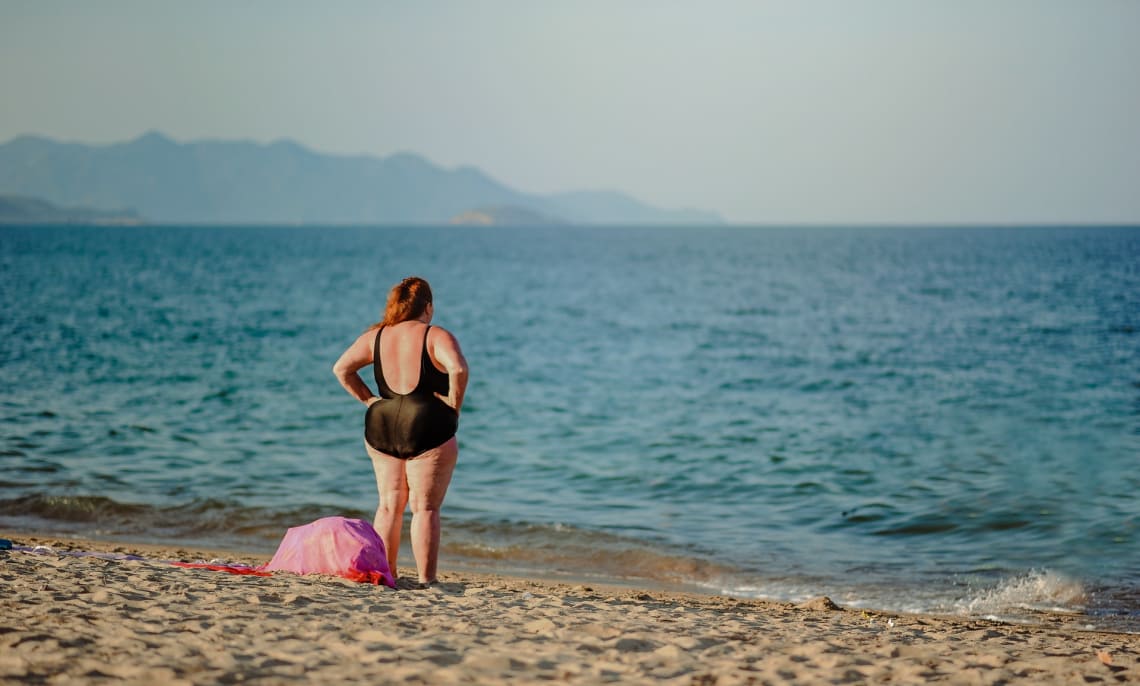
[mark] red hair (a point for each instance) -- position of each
(407, 300)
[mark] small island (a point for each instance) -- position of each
(507, 215)
(21, 209)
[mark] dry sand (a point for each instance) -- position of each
(71, 619)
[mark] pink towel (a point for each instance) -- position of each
(350, 548)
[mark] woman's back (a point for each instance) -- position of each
(403, 354)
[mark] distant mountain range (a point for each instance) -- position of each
(283, 182)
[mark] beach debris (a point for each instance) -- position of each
(821, 604)
(1104, 657)
(5, 544)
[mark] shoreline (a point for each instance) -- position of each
(86, 618)
(203, 549)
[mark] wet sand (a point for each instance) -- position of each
(86, 620)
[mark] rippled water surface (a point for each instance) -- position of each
(924, 419)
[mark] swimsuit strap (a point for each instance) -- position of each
(378, 368)
(425, 361)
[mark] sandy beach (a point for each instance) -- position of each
(85, 619)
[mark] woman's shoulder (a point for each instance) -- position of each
(438, 335)
(370, 333)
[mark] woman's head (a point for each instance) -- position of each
(407, 300)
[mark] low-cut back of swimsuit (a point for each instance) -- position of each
(409, 424)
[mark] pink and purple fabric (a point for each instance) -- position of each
(349, 548)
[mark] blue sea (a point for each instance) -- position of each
(912, 419)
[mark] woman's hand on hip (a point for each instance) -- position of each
(450, 401)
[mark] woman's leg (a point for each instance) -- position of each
(428, 476)
(392, 485)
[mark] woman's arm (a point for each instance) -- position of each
(358, 355)
(445, 350)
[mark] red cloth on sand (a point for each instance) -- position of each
(232, 569)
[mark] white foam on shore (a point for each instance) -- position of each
(1036, 591)
(1015, 598)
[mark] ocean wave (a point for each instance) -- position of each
(1034, 591)
(1029, 597)
(68, 508)
(208, 521)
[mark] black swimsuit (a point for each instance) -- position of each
(406, 425)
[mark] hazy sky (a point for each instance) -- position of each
(797, 111)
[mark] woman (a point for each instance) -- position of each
(409, 428)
